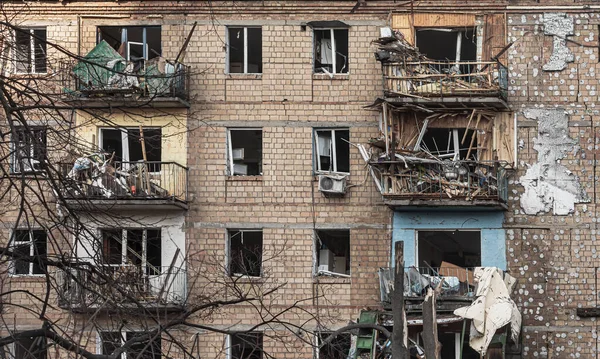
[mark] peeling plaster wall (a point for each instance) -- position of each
(549, 185)
(559, 26)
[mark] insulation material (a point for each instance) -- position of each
(492, 309)
(549, 185)
(558, 25)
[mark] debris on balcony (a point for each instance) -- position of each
(407, 72)
(492, 309)
(98, 176)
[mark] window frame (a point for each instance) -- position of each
(229, 343)
(13, 348)
(316, 249)
(334, 159)
(230, 165)
(31, 244)
(245, 50)
(123, 334)
(228, 263)
(32, 59)
(29, 131)
(144, 43)
(318, 334)
(124, 247)
(333, 50)
(125, 141)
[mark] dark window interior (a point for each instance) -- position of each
(254, 50)
(112, 142)
(440, 44)
(323, 50)
(448, 342)
(245, 255)
(39, 44)
(30, 149)
(236, 49)
(246, 346)
(139, 350)
(461, 248)
(333, 250)
(440, 141)
(341, 161)
(110, 342)
(23, 44)
(112, 249)
(31, 348)
(337, 348)
(153, 251)
(22, 247)
(246, 149)
(138, 36)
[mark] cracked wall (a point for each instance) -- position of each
(549, 185)
(559, 26)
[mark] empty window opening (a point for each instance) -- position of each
(331, 51)
(30, 51)
(134, 43)
(29, 149)
(245, 252)
(445, 143)
(246, 346)
(332, 150)
(333, 252)
(460, 248)
(453, 45)
(245, 152)
(244, 50)
(112, 341)
(126, 144)
(133, 247)
(31, 348)
(450, 343)
(30, 248)
(338, 348)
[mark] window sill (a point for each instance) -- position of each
(321, 279)
(33, 277)
(246, 279)
(258, 178)
(341, 77)
(239, 76)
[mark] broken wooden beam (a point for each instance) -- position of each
(430, 334)
(399, 350)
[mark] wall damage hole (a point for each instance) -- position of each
(333, 252)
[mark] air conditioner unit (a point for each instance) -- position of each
(330, 184)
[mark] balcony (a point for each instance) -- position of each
(93, 184)
(104, 79)
(457, 288)
(122, 287)
(431, 182)
(446, 84)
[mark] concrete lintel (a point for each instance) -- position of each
(247, 123)
(271, 225)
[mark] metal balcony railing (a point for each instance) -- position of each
(445, 78)
(442, 180)
(125, 180)
(128, 285)
(81, 80)
(457, 282)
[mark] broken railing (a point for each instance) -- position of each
(107, 285)
(456, 282)
(89, 179)
(429, 78)
(437, 179)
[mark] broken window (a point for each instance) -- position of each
(447, 143)
(460, 248)
(452, 45)
(29, 247)
(333, 252)
(29, 149)
(134, 43)
(126, 144)
(332, 149)
(246, 345)
(134, 247)
(337, 348)
(451, 348)
(111, 341)
(245, 252)
(245, 152)
(331, 51)
(244, 50)
(30, 51)
(31, 348)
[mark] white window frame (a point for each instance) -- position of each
(31, 49)
(228, 344)
(228, 252)
(316, 252)
(124, 247)
(125, 140)
(123, 339)
(245, 49)
(230, 168)
(333, 50)
(333, 156)
(31, 243)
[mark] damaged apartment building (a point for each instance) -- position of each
(321, 146)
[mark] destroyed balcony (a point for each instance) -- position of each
(434, 84)
(413, 181)
(457, 286)
(130, 287)
(103, 79)
(91, 183)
